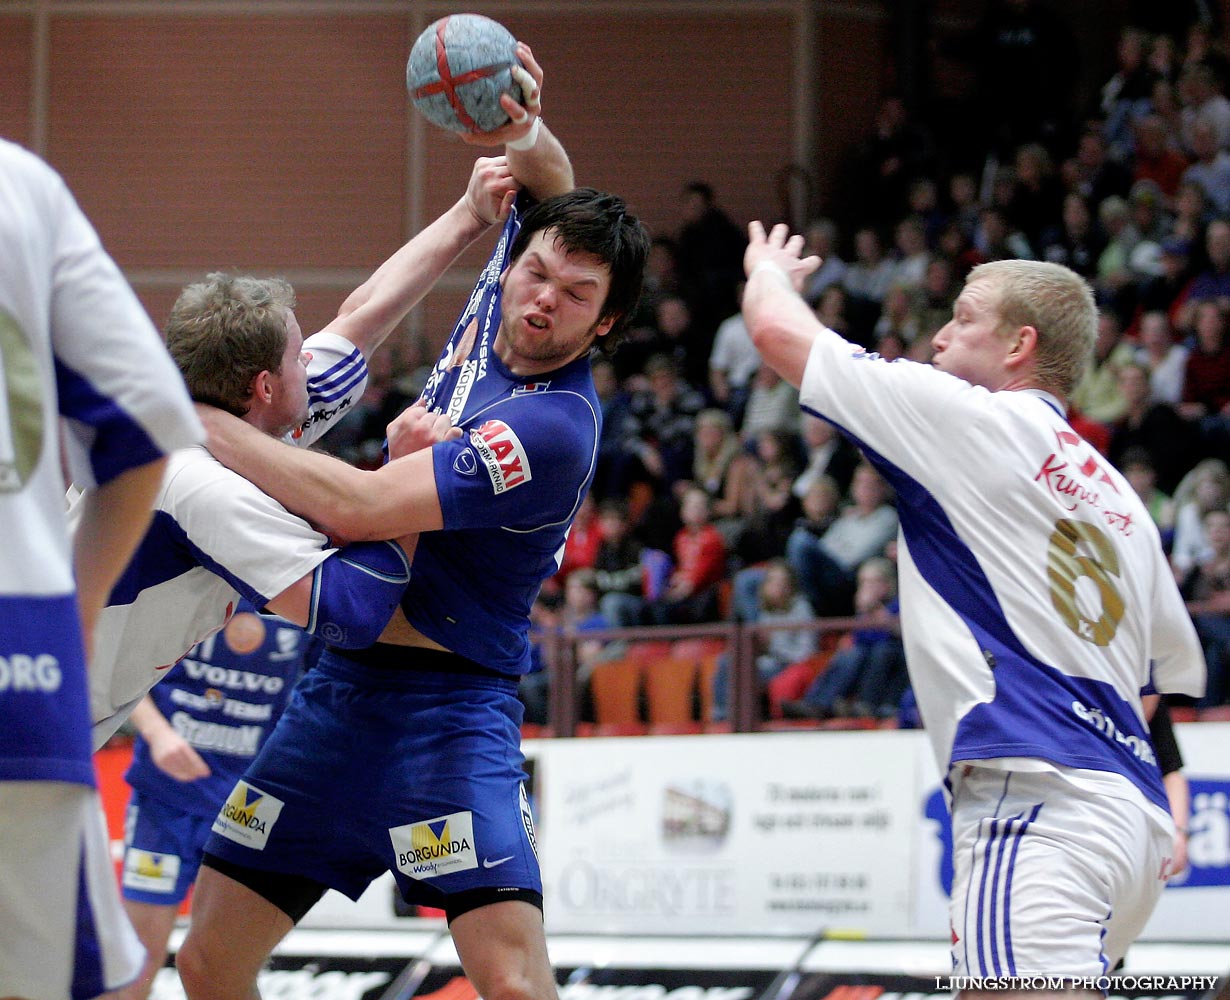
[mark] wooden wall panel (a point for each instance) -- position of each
(247, 142)
(16, 77)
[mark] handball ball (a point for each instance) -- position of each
(458, 68)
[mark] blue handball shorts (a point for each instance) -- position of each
(162, 851)
(417, 772)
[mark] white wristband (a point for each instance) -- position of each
(526, 141)
(777, 272)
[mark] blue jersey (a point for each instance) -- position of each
(224, 699)
(508, 488)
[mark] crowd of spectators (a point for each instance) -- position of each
(716, 498)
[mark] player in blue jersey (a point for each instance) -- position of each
(405, 757)
(80, 364)
(1037, 609)
(198, 729)
(215, 536)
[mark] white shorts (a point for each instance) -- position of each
(1049, 879)
(65, 934)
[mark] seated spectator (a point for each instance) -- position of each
(1151, 426)
(1097, 396)
(715, 449)
(897, 317)
(931, 305)
(1206, 379)
(831, 310)
(1036, 199)
(826, 564)
(1210, 168)
(1166, 291)
(827, 453)
(772, 405)
(1157, 159)
(1211, 283)
(581, 545)
(618, 567)
(1114, 279)
(691, 595)
(963, 193)
(732, 363)
(821, 236)
(1127, 95)
(578, 613)
(997, 239)
(1205, 488)
(1137, 469)
(778, 602)
(774, 508)
(1192, 214)
(1147, 204)
(910, 254)
(1165, 359)
(1077, 242)
(869, 276)
(1207, 592)
(659, 425)
(1203, 104)
(1093, 173)
(868, 677)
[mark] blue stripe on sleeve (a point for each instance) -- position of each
(120, 443)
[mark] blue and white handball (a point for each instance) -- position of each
(458, 68)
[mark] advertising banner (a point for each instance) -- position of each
(776, 834)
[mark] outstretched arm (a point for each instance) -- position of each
(374, 309)
(346, 503)
(781, 324)
(537, 159)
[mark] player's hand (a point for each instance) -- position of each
(416, 428)
(173, 755)
(521, 116)
(492, 190)
(778, 247)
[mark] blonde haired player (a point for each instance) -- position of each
(1036, 606)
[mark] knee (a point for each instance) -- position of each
(199, 969)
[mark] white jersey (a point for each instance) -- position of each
(74, 344)
(214, 538)
(1036, 603)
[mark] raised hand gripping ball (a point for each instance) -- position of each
(458, 68)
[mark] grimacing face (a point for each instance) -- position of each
(551, 305)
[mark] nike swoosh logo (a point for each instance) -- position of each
(488, 863)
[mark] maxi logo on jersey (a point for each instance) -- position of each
(502, 454)
(247, 816)
(435, 847)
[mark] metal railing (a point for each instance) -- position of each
(559, 649)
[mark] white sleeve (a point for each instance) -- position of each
(903, 410)
(1178, 658)
(242, 534)
(337, 378)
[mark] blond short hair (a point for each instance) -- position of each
(1055, 301)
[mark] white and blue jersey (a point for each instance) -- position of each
(508, 488)
(1036, 602)
(224, 699)
(215, 537)
(77, 352)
